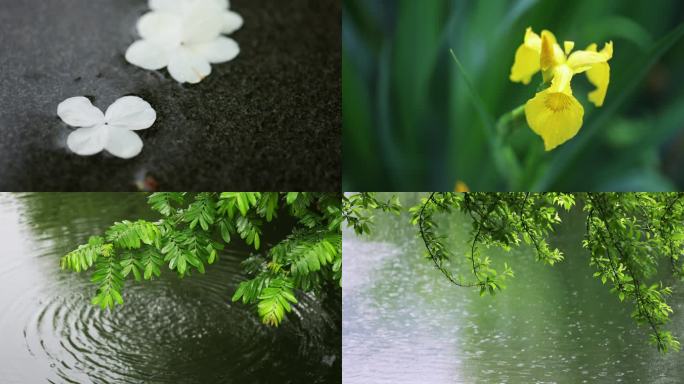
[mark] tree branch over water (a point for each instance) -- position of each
(628, 236)
(195, 227)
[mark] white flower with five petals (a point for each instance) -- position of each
(185, 36)
(111, 131)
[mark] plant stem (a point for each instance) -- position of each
(508, 120)
(503, 128)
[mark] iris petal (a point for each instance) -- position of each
(555, 116)
(551, 52)
(568, 46)
(562, 75)
(526, 62)
(599, 75)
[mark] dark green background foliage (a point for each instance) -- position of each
(410, 122)
(635, 241)
(194, 229)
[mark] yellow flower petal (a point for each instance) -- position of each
(562, 74)
(551, 54)
(555, 116)
(608, 50)
(532, 39)
(547, 57)
(581, 61)
(568, 46)
(526, 62)
(599, 75)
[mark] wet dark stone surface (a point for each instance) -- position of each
(269, 120)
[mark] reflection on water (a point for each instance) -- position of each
(404, 323)
(168, 331)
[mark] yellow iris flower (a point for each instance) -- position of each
(554, 113)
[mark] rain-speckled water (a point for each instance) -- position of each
(168, 331)
(403, 323)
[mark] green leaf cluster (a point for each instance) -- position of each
(630, 235)
(501, 220)
(308, 259)
(193, 230)
(357, 209)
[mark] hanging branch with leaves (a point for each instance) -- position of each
(498, 219)
(193, 230)
(628, 235)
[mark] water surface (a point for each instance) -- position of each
(404, 323)
(168, 331)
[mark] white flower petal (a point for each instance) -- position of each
(215, 5)
(231, 22)
(179, 6)
(161, 27)
(201, 23)
(87, 141)
(220, 50)
(188, 67)
(123, 143)
(130, 112)
(185, 36)
(167, 5)
(147, 55)
(223, 4)
(79, 112)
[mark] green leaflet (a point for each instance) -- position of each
(248, 291)
(274, 301)
(165, 202)
(268, 205)
(85, 255)
(130, 235)
(202, 211)
(249, 231)
(243, 201)
(109, 278)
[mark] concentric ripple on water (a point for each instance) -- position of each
(168, 330)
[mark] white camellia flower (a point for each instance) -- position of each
(111, 131)
(185, 36)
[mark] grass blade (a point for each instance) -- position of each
(504, 159)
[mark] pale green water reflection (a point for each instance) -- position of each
(404, 323)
